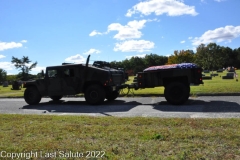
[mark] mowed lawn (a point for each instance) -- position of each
(216, 85)
(113, 138)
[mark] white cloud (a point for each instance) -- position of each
(6, 66)
(159, 7)
(139, 55)
(92, 51)
(190, 37)
(129, 31)
(2, 56)
(9, 45)
(76, 59)
(182, 42)
(24, 41)
(134, 46)
(219, 0)
(227, 33)
(94, 33)
(38, 69)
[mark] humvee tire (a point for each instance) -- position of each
(56, 98)
(176, 93)
(95, 94)
(32, 96)
(112, 95)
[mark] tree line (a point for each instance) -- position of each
(210, 57)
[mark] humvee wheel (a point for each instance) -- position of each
(32, 96)
(176, 93)
(112, 95)
(95, 94)
(55, 98)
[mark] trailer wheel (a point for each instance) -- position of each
(95, 94)
(32, 96)
(176, 93)
(56, 98)
(112, 95)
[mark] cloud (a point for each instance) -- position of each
(24, 41)
(134, 46)
(2, 56)
(94, 33)
(92, 51)
(227, 33)
(139, 55)
(190, 37)
(159, 7)
(219, 0)
(6, 66)
(38, 69)
(76, 59)
(182, 42)
(129, 31)
(9, 45)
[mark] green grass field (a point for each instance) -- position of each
(121, 138)
(216, 85)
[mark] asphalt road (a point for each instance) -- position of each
(198, 107)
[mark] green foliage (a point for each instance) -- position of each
(138, 64)
(3, 75)
(181, 57)
(213, 56)
(22, 64)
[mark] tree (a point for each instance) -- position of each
(137, 64)
(155, 60)
(211, 56)
(22, 65)
(3, 75)
(181, 57)
(235, 58)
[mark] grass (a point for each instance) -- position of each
(216, 85)
(8, 92)
(121, 138)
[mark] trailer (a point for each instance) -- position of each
(176, 80)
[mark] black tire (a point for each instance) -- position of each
(112, 95)
(56, 98)
(95, 94)
(176, 93)
(32, 96)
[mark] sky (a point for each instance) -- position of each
(55, 31)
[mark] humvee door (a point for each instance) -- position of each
(70, 81)
(53, 81)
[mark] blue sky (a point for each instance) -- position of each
(55, 31)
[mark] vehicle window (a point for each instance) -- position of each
(68, 72)
(52, 73)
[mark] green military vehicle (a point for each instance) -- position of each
(98, 82)
(175, 78)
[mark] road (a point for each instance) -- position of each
(196, 107)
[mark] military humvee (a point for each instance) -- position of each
(97, 82)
